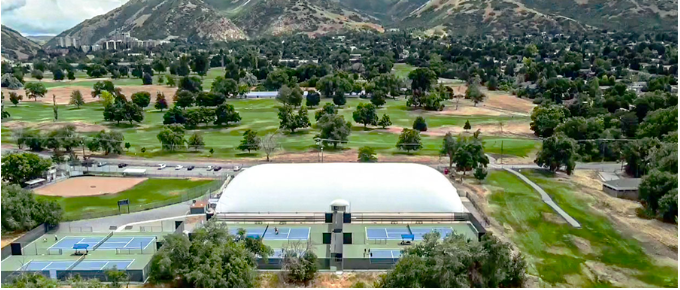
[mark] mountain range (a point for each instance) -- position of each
(220, 20)
(15, 45)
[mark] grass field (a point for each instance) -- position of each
(148, 192)
(402, 69)
(563, 256)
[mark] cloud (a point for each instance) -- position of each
(51, 17)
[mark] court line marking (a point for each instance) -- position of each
(25, 265)
(102, 268)
(43, 269)
(129, 241)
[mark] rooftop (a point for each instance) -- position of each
(624, 184)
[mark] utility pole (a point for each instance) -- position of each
(501, 153)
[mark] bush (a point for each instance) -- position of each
(22, 212)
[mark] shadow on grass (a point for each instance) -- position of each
(246, 154)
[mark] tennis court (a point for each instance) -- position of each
(397, 233)
(284, 234)
(385, 253)
(85, 265)
(112, 243)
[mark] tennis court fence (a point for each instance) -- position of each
(27, 238)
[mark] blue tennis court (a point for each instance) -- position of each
(385, 253)
(112, 243)
(386, 233)
(418, 232)
(287, 234)
(85, 265)
(249, 231)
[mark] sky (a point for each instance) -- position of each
(51, 17)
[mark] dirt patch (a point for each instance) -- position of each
(9, 238)
(618, 277)
(81, 126)
(89, 186)
(582, 244)
(509, 129)
(499, 100)
(469, 111)
(63, 94)
(553, 218)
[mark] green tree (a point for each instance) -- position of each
(291, 121)
(422, 80)
(385, 121)
(544, 119)
(659, 194)
(480, 173)
(32, 280)
(107, 98)
(334, 129)
(170, 81)
(290, 96)
(101, 86)
(31, 138)
(109, 142)
(18, 168)
(71, 75)
(142, 99)
(450, 146)
(365, 114)
(473, 93)
(250, 141)
(171, 136)
(184, 99)
(469, 154)
(637, 154)
(21, 211)
(78, 282)
(35, 90)
(378, 97)
(127, 146)
(269, 144)
(191, 84)
(457, 262)
(226, 87)
(409, 140)
(225, 113)
(313, 99)
(116, 277)
(558, 151)
(276, 79)
(420, 124)
(77, 99)
(299, 266)
(196, 141)
(147, 79)
(37, 74)
(659, 123)
(58, 74)
(367, 154)
(327, 109)
(467, 126)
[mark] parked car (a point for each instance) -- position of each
(237, 168)
(217, 168)
(179, 167)
(191, 167)
(101, 164)
(209, 168)
(121, 165)
(161, 166)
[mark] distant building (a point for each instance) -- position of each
(626, 188)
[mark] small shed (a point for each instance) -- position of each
(35, 182)
(626, 188)
(134, 171)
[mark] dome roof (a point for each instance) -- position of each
(314, 187)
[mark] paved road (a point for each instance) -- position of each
(546, 198)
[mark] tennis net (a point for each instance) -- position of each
(102, 241)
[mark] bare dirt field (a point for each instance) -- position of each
(81, 126)
(89, 186)
(510, 129)
(500, 102)
(63, 94)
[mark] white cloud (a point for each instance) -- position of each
(34, 17)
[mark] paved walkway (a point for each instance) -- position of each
(546, 198)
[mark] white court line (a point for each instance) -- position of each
(24, 265)
(121, 228)
(102, 268)
(130, 241)
(128, 265)
(43, 269)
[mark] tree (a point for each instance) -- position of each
(659, 123)
(200, 64)
(141, 99)
(127, 146)
(473, 93)
(109, 142)
(147, 79)
(637, 155)
(226, 113)
(457, 262)
(35, 90)
(480, 173)
(450, 146)
(367, 154)
(327, 109)
(32, 280)
(191, 84)
(469, 153)
(71, 75)
(385, 121)
(299, 265)
(313, 99)
(22, 212)
(250, 141)
(15, 98)
(276, 79)
(409, 140)
(170, 81)
(18, 168)
(658, 193)
(544, 119)
(213, 258)
(184, 99)
(269, 144)
(207, 99)
(290, 96)
(160, 79)
(196, 141)
(123, 111)
(420, 124)
(102, 86)
(158, 65)
(365, 114)
(77, 99)
(31, 138)
(58, 74)
(334, 86)
(467, 126)
(37, 74)
(557, 151)
(171, 136)
(161, 102)
(422, 80)
(378, 97)
(116, 277)
(107, 98)
(226, 87)
(291, 121)
(334, 129)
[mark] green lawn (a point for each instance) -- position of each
(557, 252)
(261, 115)
(143, 195)
(402, 69)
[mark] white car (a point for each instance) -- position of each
(209, 168)
(161, 166)
(237, 168)
(178, 167)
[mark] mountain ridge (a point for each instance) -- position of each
(15, 45)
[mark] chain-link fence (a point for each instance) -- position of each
(112, 170)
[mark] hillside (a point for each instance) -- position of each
(157, 19)
(274, 17)
(15, 45)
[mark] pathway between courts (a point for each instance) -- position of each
(546, 198)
